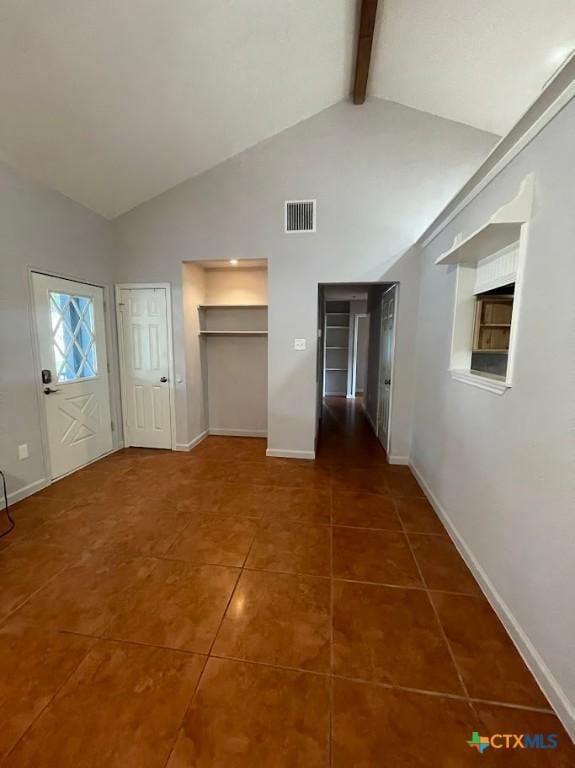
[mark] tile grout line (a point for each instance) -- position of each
(440, 625)
(210, 655)
(49, 702)
(443, 694)
(229, 601)
(24, 602)
(315, 672)
(389, 530)
(187, 709)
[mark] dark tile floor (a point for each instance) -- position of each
(220, 609)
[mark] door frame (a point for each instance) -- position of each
(381, 376)
(116, 443)
(121, 354)
(357, 317)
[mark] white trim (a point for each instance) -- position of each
(381, 378)
(167, 287)
(282, 453)
(239, 432)
(482, 382)
(400, 460)
(24, 492)
(441, 221)
(564, 708)
(192, 444)
(357, 316)
(109, 344)
(501, 244)
(502, 230)
(38, 485)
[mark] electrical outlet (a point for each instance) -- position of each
(299, 345)
(23, 451)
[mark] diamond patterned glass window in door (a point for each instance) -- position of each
(73, 336)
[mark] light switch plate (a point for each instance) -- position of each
(299, 344)
(23, 451)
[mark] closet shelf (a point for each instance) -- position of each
(233, 333)
(232, 306)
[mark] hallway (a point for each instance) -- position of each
(220, 609)
(346, 436)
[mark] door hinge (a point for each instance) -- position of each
(112, 425)
(108, 367)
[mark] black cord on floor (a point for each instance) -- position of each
(8, 515)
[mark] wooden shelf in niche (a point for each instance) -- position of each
(493, 324)
(233, 333)
(232, 306)
(233, 320)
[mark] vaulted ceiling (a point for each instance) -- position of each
(114, 101)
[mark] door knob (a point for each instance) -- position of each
(387, 381)
(164, 379)
(50, 391)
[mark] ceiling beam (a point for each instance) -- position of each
(364, 42)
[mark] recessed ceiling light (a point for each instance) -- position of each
(234, 262)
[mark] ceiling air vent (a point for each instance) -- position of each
(300, 216)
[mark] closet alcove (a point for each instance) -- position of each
(226, 318)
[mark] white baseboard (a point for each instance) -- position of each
(192, 444)
(239, 432)
(38, 485)
(23, 492)
(403, 460)
(564, 708)
(279, 453)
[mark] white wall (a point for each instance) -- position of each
(380, 174)
(236, 286)
(502, 468)
(191, 398)
(43, 229)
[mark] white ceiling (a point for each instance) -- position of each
(114, 101)
(480, 62)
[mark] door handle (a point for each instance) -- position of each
(387, 381)
(50, 391)
(164, 379)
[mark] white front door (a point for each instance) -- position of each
(144, 351)
(386, 365)
(74, 377)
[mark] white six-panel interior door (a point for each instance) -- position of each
(73, 379)
(143, 328)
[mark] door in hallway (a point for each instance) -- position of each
(74, 371)
(386, 365)
(145, 366)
